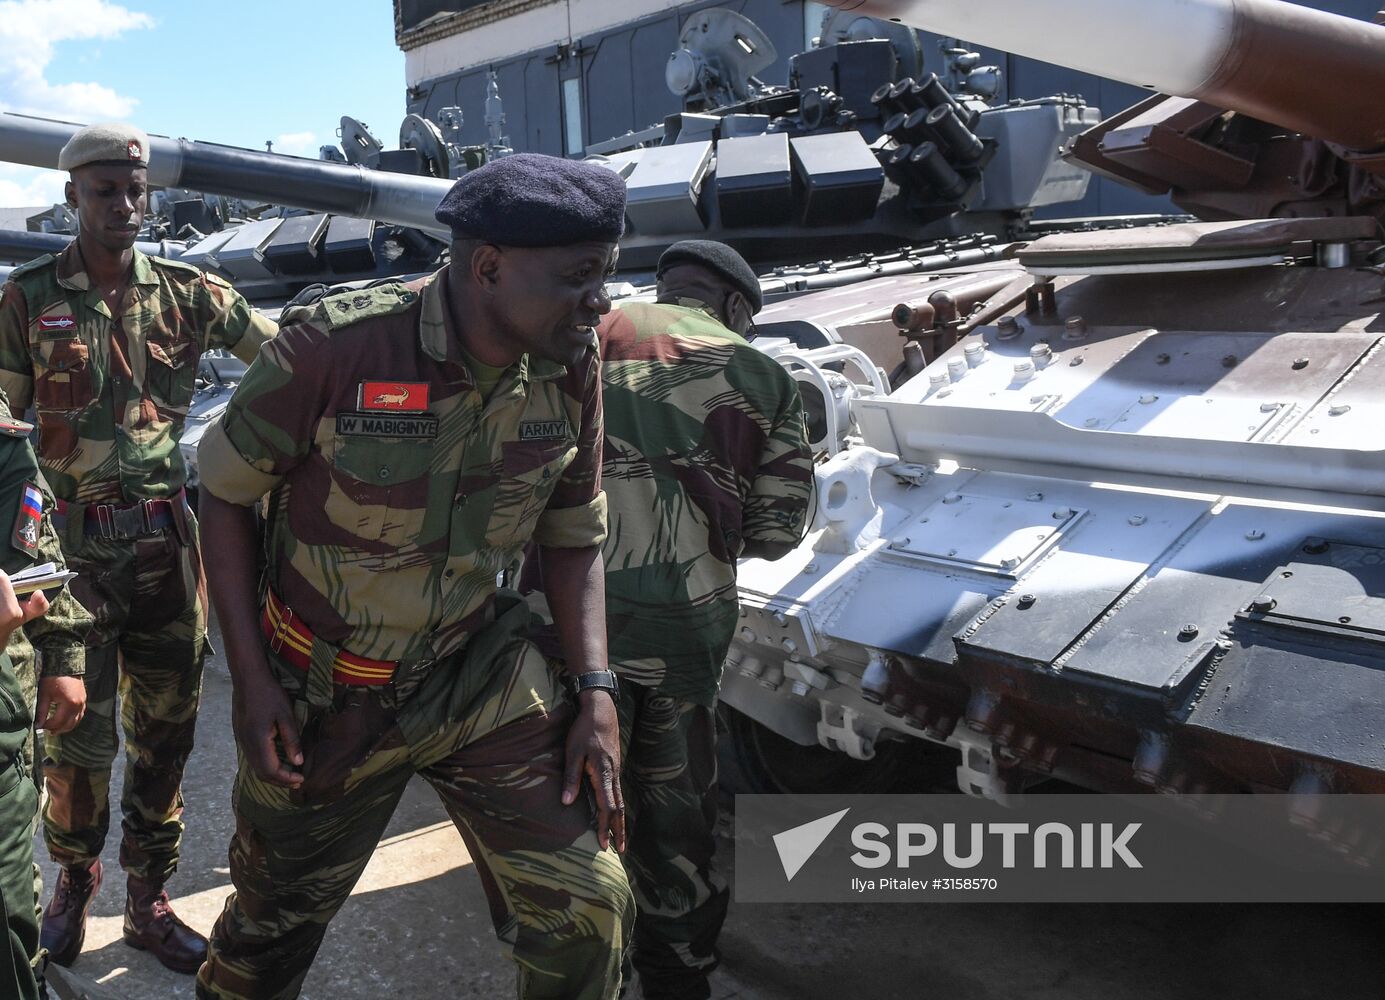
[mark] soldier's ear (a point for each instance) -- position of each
(738, 312)
(70, 194)
(485, 266)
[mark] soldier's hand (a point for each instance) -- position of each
(14, 613)
(263, 721)
(593, 749)
(62, 701)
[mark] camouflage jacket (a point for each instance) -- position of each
(26, 516)
(398, 494)
(110, 394)
(705, 450)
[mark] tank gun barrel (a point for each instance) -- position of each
(1316, 73)
(316, 185)
(19, 246)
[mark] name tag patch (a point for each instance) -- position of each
(405, 397)
(542, 430)
(405, 425)
(25, 534)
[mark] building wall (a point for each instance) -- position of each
(619, 69)
(617, 52)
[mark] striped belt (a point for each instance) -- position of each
(125, 521)
(293, 642)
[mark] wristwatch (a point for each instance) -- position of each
(602, 680)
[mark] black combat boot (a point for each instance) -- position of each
(152, 926)
(65, 920)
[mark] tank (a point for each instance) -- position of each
(1116, 519)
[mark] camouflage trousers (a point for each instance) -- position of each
(22, 657)
(18, 805)
(144, 655)
(670, 784)
(560, 904)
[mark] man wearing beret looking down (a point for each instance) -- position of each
(413, 438)
(705, 461)
(104, 342)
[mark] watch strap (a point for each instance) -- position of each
(603, 680)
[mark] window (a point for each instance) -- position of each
(572, 116)
(813, 14)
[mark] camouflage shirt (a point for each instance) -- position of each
(111, 393)
(26, 517)
(705, 450)
(399, 493)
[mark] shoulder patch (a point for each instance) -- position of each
(345, 308)
(217, 280)
(38, 263)
(24, 537)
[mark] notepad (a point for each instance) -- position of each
(44, 576)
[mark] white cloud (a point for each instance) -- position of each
(29, 186)
(297, 144)
(29, 32)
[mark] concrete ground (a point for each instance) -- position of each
(417, 926)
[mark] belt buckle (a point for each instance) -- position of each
(128, 523)
(105, 521)
(276, 641)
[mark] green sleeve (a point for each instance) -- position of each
(232, 322)
(60, 635)
(270, 423)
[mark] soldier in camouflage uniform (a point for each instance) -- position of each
(61, 633)
(18, 796)
(104, 342)
(413, 438)
(705, 461)
(26, 512)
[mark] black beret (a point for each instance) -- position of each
(532, 200)
(719, 259)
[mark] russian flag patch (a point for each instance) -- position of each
(25, 535)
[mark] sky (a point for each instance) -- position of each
(235, 73)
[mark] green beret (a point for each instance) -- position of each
(111, 143)
(533, 200)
